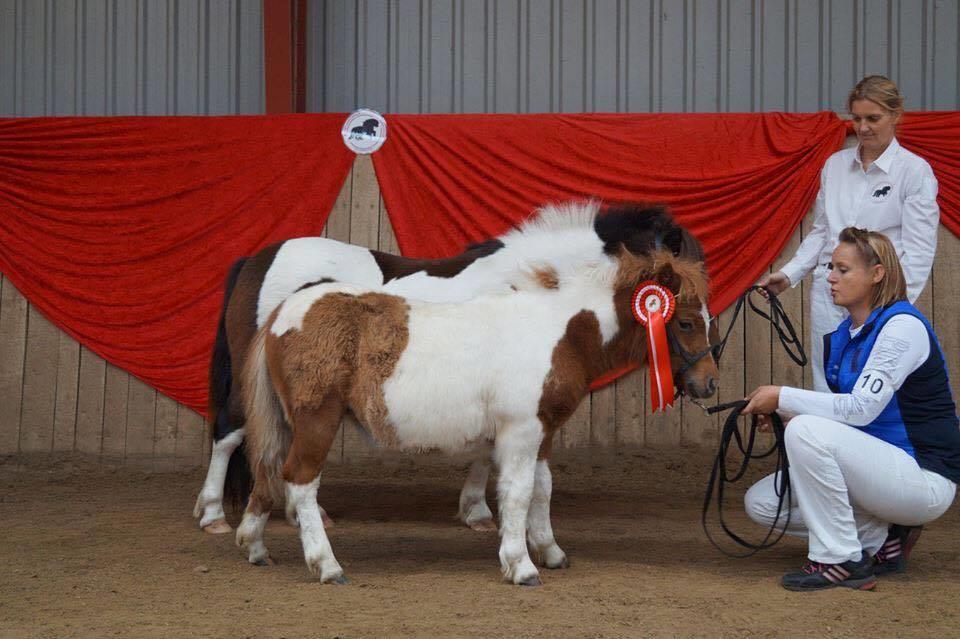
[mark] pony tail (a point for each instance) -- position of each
(268, 436)
(221, 374)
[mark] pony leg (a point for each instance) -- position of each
(474, 511)
(250, 530)
(539, 530)
(516, 454)
(290, 512)
(209, 506)
(314, 432)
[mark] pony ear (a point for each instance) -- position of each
(667, 277)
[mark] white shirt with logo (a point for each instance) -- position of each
(896, 196)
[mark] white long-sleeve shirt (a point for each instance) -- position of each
(896, 196)
(902, 346)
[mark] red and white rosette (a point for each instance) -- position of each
(653, 306)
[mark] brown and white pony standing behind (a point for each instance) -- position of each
(503, 368)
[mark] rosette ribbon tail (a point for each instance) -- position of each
(658, 360)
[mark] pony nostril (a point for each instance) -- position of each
(711, 386)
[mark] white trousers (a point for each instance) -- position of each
(847, 488)
(825, 316)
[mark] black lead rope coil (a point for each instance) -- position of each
(719, 476)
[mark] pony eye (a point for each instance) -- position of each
(685, 326)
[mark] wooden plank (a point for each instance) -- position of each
(388, 240)
(629, 410)
(338, 222)
(756, 361)
(663, 428)
(364, 231)
(191, 431)
(364, 204)
(65, 414)
(731, 363)
(946, 307)
(575, 433)
(115, 391)
(90, 390)
(603, 417)
(165, 433)
(39, 384)
(784, 372)
(141, 415)
(13, 341)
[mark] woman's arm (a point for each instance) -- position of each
(918, 233)
(810, 248)
(901, 347)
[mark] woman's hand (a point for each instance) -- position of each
(763, 401)
(776, 283)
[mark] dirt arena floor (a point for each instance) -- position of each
(95, 552)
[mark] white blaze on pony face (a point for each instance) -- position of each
(294, 308)
(705, 314)
(311, 259)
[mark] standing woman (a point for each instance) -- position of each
(879, 186)
(882, 446)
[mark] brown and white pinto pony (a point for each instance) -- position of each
(565, 234)
(507, 369)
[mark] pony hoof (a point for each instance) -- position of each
(218, 527)
(263, 561)
(483, 525)
(563, 563)
(531, 582)
(339, 580)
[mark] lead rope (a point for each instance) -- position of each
(719, 476)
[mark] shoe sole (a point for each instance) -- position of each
(866, 583)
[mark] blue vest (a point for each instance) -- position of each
(921, 418)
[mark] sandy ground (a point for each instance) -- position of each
(94, 552)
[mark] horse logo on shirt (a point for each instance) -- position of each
(882, 192)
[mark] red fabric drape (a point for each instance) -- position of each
(121, 230)
(740, 182)
(935, 136)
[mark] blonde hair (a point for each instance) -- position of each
(879, 89)
(876, 248)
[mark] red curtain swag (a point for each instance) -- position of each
(935, 136)
(121, 230)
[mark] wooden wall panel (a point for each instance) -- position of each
(65, 410)
(39, 384)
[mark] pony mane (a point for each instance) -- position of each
(558, 216)
(690, 272)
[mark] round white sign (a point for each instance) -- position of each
(365, 131)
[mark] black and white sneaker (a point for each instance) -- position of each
(892, 556)
(817, 576)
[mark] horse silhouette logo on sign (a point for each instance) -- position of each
(364, 131)
(369, 128)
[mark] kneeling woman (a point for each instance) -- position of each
(884, 447)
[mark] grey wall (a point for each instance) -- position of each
(501, 56)
(125, 57)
